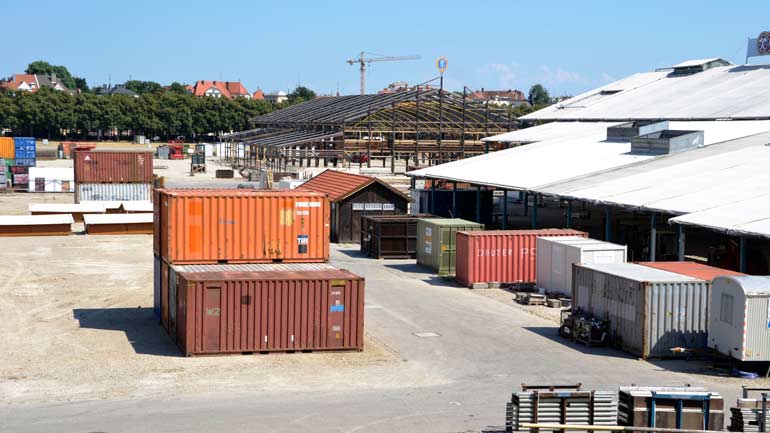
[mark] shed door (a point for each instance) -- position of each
(336, 331)
(343, 230)
(355, 227)
(40, 184)
(212, 315)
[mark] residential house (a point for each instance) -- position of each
(237, 90)
(402, 86)
(33, 82)
(515, 98)
(220, 89)
(118, 89)
(277, 97)
(258, 95)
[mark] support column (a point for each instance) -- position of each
(741, 254)
(533, 222)
(653, 236)
(680, 242)
(569, 214)
(525, 199)
(478, 204)
(607, 224)
(454, 199)
(505, 209)
(432, 208)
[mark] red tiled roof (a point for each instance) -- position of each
(258, 95)
(236, 88)
(200, 88)
(18, 79)
(338, 184)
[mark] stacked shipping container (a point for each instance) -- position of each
(112, 175)
(262, 250)
(24, 151)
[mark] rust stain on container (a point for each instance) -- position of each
(272, 311)
(112, 167)
(239, 226)
(504, 256)
(692, 269)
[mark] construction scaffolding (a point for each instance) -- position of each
(422, 126)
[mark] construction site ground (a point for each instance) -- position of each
(83, 352)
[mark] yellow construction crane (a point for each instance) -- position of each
(362, 60)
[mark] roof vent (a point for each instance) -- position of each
(625, 131)
(667, 142)
(694, 66)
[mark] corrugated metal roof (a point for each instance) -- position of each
(31, 220)
(113, 204)
(118, 218)
(635, 272)
(752, 284)
(691, 269)
(735, 92)
(256, 267)
(562, 151)
(91, 207)
(339, 185)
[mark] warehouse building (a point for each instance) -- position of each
(669, 162)
(354, 196)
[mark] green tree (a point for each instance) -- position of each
(538, 96)
(301, 94)
(81, 84)
(44, 68)
(142, 87)
(177, 88)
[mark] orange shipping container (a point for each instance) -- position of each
(7, 148)
(240, 226)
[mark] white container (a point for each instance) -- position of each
(113, 192)
(556, 255)
(739, 317)
(51, 179)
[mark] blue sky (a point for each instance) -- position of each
(568, 46)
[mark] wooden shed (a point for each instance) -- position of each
(353, 196)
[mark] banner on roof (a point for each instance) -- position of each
(759, 46)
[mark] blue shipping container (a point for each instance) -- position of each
(25, 162)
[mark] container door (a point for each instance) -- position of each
(212, 311)
(172, 302)
(164, 295)
(336, 332)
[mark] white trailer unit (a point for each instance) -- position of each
(555, 257)
(739, 317)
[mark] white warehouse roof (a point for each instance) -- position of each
(736, 92)
(562, 151)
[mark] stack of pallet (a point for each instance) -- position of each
(112, 175)
(556, 405)
(747, 416)
(243, 271)
(683, 407)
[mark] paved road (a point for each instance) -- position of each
(483, 350)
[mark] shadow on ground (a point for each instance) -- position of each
(141, 327)
(701, 365)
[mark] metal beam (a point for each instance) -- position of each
(607, 224)
(569, 214)
(741, 254)
(432, 207)
(533, 222)
(680, 246)
(478, 204)
(653, 236)
(505, 209)
(454, 199)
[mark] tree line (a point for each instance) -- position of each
(52, 114)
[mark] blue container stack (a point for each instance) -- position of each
(25, 151)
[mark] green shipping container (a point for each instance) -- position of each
(436, 242)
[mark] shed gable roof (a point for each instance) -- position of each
(339, 185)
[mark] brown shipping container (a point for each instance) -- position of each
(112, 167)
(284, 311)
(241, 226)
(501, 256)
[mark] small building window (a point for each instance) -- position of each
(726, 309)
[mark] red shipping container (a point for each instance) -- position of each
(692, 269)
(112, 167)
(268, 311)
(501, 256)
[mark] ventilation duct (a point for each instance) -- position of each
(667, 142)
(626, 131)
